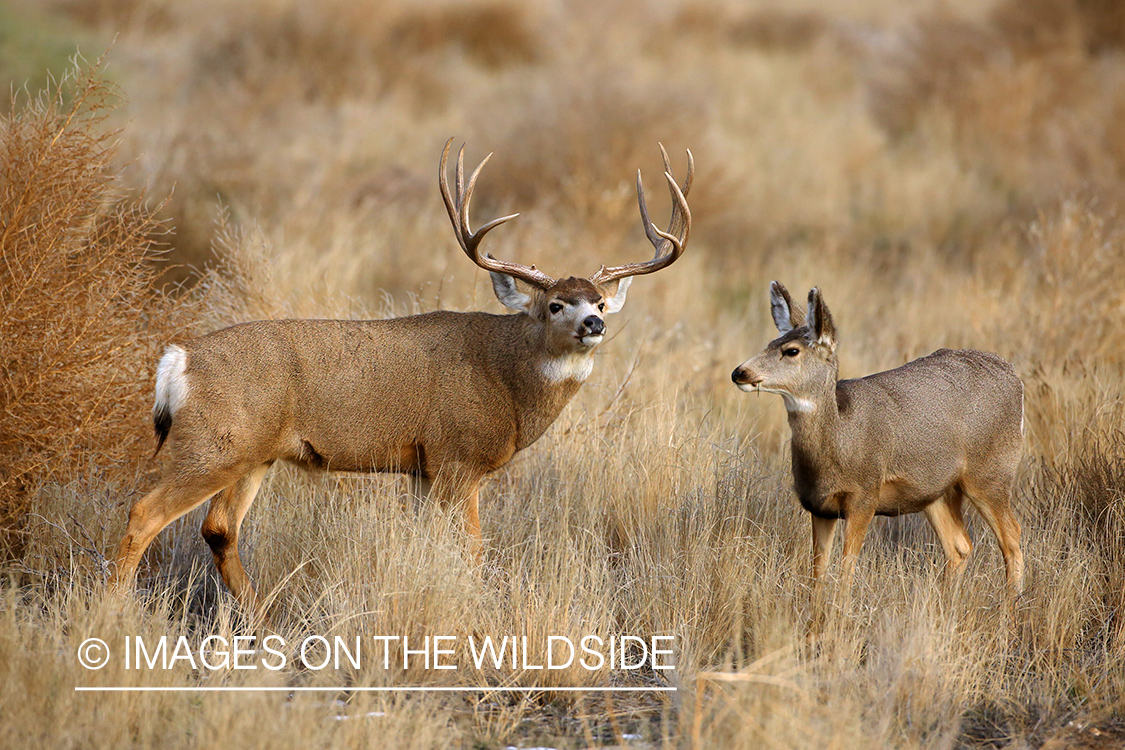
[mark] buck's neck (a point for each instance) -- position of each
(542, 382)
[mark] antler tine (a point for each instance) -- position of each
(675, 225)
(443, 185)
(459, 176)
(690, 168)
(669, 245)
(457, 206)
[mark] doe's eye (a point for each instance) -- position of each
(555, 307)
(601, 307)
(791, 351)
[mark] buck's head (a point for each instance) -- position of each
(572, 310)
(800, 364)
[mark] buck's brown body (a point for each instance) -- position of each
(922, 437)
(312, 393)
(447, 397)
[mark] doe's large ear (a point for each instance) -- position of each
(509, 295)
(786, 315)
(614, 293)
(822, 331)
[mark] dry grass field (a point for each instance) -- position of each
(949, 173)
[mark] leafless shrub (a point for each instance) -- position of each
(932, 63)
(308, 52)
(768, 29)
(1020, 94)
(492, 34)
(1103, 24)
(588, 133)
(80, 323)
(154, 15)
(290, 51)
(1074, 258)
(1037, 28)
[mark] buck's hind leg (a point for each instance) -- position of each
(992, 497)
(945, 516)
(149, 516)
(220, 530)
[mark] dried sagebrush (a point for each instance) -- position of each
(80, 321)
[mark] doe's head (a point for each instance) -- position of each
(800, 364)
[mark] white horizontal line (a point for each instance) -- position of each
(346, 688)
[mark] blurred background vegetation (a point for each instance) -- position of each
(948, 172)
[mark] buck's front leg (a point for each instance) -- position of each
(458, 486)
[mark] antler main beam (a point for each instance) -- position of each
(669, 245)
(458, 208)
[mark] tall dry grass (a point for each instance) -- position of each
(947, 182)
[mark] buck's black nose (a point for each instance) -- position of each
(593, 324)
(736, 376)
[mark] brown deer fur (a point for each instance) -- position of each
(923, 437)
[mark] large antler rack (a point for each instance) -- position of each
(669, 245)
(458, 208)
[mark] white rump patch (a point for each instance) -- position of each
(171, 380)
(567, 367)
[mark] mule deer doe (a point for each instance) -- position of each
(921, 437)
(447, 397)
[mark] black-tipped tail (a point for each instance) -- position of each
(162, 423)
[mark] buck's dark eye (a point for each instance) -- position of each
(791, 351)
(555, 308)
(601, 307)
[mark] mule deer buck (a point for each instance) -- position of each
(922, 437)
(446, 397)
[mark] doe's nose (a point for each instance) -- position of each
(593, 324)
(737, 376)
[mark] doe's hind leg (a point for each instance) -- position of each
(945, 516)
(992, 497)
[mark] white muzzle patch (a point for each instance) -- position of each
(592, 339)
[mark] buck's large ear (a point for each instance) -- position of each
(506, 291)
(614, 293)
(786, 315)
(822, 331)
